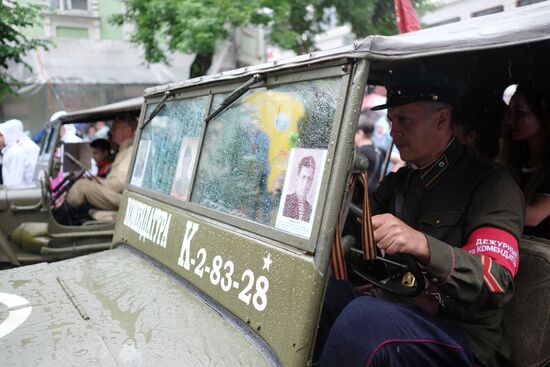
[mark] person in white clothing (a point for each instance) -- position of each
(31, 151)
(14, 157)
(68, 134)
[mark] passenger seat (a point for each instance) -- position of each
(527, 317)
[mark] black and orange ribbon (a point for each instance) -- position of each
(367, 232)
(338, 260)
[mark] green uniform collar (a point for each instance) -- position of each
(430, 175)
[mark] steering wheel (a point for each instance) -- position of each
(64, 186)
(406, 278)
(68, 181)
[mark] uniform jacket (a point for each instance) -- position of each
(292, 208)
(458, 202)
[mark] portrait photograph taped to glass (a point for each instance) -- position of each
(140, 163)
(301, 191)
(181, 188)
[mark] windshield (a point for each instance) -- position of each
(262, 159)
(177, 124)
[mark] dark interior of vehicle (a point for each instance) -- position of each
(527, 319)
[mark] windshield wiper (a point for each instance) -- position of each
(157, 109)
(235, 95)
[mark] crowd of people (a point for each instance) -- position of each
(515, 135)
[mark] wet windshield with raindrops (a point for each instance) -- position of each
(242, 167)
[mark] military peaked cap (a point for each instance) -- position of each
(408, 87)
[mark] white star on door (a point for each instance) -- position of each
(267, 262)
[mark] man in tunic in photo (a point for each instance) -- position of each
(296, 204)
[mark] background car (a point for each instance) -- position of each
(28, 231)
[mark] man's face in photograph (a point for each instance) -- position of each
(304, 181)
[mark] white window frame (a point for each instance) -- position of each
(67, 5)
(61, 15)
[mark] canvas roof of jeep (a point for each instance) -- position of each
(104, 111)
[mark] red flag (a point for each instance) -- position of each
(406, 16)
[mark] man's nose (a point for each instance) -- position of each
(394, 132)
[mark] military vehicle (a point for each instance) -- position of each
(29, 232)
(207, 266)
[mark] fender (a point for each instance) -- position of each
(7, 249)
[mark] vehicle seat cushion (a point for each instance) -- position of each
(527, 317)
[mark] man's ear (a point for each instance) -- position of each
(443, 118)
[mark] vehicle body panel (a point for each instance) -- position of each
(88, 313)
(284, 318)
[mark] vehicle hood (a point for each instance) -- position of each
(116, 308)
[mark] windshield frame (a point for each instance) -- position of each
(255, 229)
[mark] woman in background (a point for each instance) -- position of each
(526, 153)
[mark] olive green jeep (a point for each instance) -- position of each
(29, 232)
(210, 263)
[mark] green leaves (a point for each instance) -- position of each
(13, 44)
(193, 26)
(182, 25)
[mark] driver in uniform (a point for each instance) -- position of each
(460, 216)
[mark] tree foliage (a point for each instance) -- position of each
(15, 16)
(368, 17)
(197, 26)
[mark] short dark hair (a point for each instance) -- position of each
(101, 144)
(307, 162)
(482, 111)
(367, 121)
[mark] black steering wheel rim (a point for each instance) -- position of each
(393, 284)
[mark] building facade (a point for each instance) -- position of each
(451, 11)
